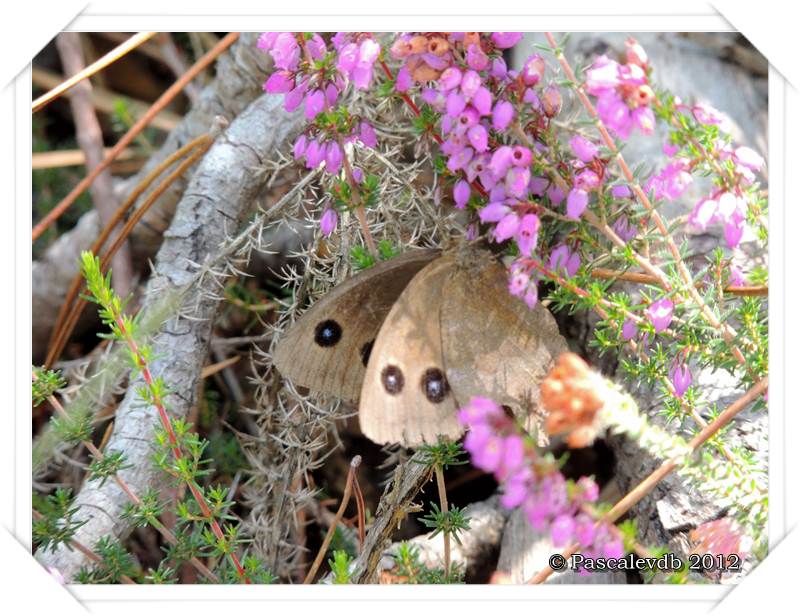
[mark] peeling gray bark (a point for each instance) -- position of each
(240, 74)
(219, 195)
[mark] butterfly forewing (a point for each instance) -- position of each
(328, 347)
(406, 397)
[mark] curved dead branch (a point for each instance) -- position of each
(219, 195)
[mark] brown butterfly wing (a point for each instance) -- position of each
(494, 345)
(327, 348)
(405, 397)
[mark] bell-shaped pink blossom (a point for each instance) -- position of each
(577, 200)
(660, 314)
(461, 193)
(328, 222)
(584, 149)
(502, 115)
(681, 378)
(504, 40)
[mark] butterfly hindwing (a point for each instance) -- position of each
(406, 397)
(494, 345)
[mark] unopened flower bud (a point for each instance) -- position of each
(551, 101)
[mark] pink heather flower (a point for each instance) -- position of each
(515, 490)
(629, 329)
(706, 114)
(328, 222)
(538, 185)
(615, 114)
(562, 530)
(449, 79)
(502, 115)
(506, 228)
(584, 529)
(635, 53)
(527, 234)
(366, 134)
(403, 82)
(670, 149)
(461, 193)
(501, 161)
(748, 158)
(603, 75)
(493, 212)
(460, 159)
(315, 103)
(588, 489)
(735, 276)
(470, 82)
(478, 137)
(513, 454)
(531, 297)
(333, 157)
(476, 58)
(584, 149)
(734, 229)
(285, 51)
(299, 148)
(479, 410)
(624, 229)
(518, 281)
(660, 314)
(645, 119)
(315, 154)
(293, 98)
(499, 69)
(672, 181)
(504, 40)
(520, 156)
(555, 194)
(620, 191)
(587, 180)
(362, 71)
(488, 457)
(614, 548)
(482, 101)
(279, 82)
(455, 103)
(564, 261)
(533, 70)
(577, 200)
(681, 378)
(517, 180)
(704, 212)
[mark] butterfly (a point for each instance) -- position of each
(415, 337)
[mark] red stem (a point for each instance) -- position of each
(176, 452)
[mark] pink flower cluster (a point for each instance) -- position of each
(535, 483)
(728, 206)
(317, 82)
(623, 92)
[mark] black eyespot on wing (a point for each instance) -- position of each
(327, 333)
(392, 379)
(434, 385)
(366, 351)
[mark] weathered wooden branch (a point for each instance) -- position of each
(219, 195)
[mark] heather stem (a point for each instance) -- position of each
(444, 506)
